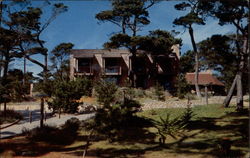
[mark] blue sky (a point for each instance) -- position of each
(79, 26)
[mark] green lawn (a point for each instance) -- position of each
(211, 111)
(208, 128)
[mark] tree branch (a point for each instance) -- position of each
(240, 28)
(35, 62)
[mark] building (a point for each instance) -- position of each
(115, 65)
(206, 79)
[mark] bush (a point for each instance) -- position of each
(131, 92)
(159, 92)
(114, 122)
(9, 116)
(182, 86)
(64, 135)
(191, 96)
(71, 125)
(139, 93)
(172, 127)
(105, 92)
(67, 92)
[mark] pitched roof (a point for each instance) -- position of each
(204, 78)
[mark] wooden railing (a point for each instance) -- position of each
(112, 70)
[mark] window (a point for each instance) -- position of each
(112, 65)
(84, 65)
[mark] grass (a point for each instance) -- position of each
(202, 138)
(210, 111)
(209, 126)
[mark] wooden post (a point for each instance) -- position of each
(59, 115)
(206, 96)
(45, 115)
(4, 107)
(42, 113)
(31, 89)
(30, 116)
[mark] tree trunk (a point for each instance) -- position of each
(1, 67)
(230, 93)
(24, 70)
(4, 106)
(239, 92)
(133, 76)
(240, 74)
(87, 144)
(45, 67)
(5, 68)
(124, 25)
(197, 89)
(206, 95)
(42, 113)
(1, 58)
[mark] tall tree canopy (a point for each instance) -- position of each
(195, 15)
(218, 53)
(60, 60)
(130, 16)
(235, 12)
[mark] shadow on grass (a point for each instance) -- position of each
(119, 153)
(234, 129)
(234, 123)
(232, 126)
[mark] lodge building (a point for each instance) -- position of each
(115, 65)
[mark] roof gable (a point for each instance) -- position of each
(203, 79)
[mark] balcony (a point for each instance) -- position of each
(84, 70)
(112, 70)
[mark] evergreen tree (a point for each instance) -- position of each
(130, 16)
(60, 61)
(234, 12)
(194, 16)
(218, 53)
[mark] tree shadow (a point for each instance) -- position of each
(190, 144)
(235, 130)
(39, 141)
(35, 115)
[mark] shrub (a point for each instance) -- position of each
(191, 96)
(139, 93)
(182, 86)
(117, 120)
(159, 92)
(47, 87)
(67, 92)
(105, 92)
(133, 92)
(71, 125)
(64, 135)
(9, 116)
(172, 127)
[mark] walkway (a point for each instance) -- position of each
(25, 124)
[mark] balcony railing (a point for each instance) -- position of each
(84, 70)
(112, 70)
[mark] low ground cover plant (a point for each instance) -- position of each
(9, 116)
(64, 135)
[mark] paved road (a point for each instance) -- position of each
(55, 121)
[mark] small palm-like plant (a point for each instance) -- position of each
(172, 127)
(167, 126)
